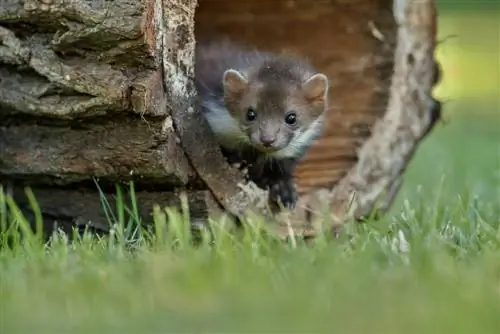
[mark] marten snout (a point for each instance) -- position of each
(267, 139)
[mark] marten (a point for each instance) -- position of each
(265, 109)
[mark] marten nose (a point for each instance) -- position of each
(267, 140)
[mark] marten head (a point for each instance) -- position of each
(279, 104)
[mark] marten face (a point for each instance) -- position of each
(278, 115)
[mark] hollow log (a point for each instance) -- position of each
(102, 92)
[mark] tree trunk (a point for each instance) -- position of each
(100, 92)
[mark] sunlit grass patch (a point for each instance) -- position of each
(431, 267)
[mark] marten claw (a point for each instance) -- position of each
(284, 191)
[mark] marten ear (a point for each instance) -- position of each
(316, 88)
(234, 82)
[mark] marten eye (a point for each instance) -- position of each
(291, 118)
(251, 114)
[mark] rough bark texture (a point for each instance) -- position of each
(81, 79)
(126, 148)
(198, 142)
(82, 98)
(103, 89)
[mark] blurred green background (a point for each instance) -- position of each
(470, 50)
(461, 157)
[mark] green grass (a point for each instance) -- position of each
(446, 281)
(445, 277)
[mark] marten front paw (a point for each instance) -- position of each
(284, 192)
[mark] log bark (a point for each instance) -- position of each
(63, 153)
(205, 156)
(81, 96)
